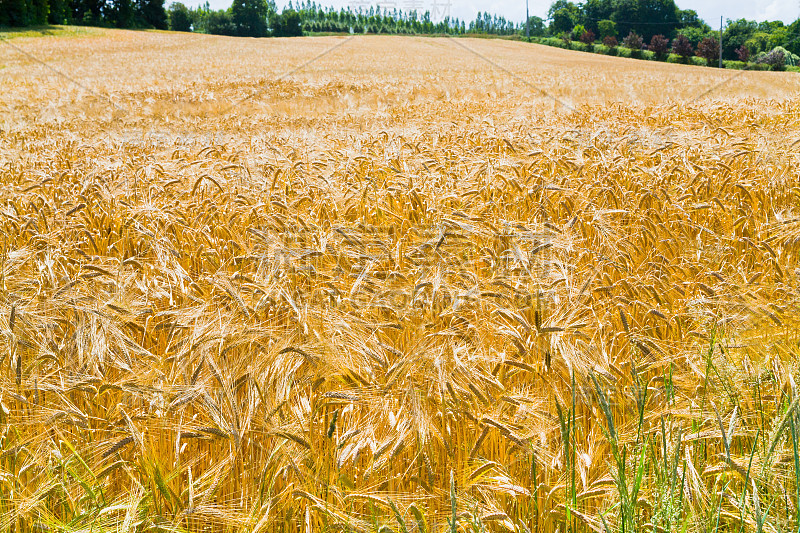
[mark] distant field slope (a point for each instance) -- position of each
(393, 284)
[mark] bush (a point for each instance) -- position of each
(791, 59)
(633, 41)
(601, 49)
(775, 59)
(743, 53)
(553, 41)
(660, 46)
(708, 49)
(577, 31)
(587, 37)
(734, 65)
(610, 41)
(682, 47)
(693, 60)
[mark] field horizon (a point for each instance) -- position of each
(394, 284)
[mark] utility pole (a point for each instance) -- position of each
(527, 22)
(720, 41)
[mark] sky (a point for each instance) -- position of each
(709, 10)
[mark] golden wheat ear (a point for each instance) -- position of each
(397, 289)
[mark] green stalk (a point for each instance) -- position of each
(534, 491)
(709, 364)
(573, 491)
(747, 480)
(453, 506)
(796, 472)
(564, 423)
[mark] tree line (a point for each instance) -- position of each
(108, 13)
(602, 20)
(260, 18)
(609, 21)
(246, 18)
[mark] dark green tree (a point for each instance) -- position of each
(123, 14)
(693, 34)
(288, 24)
(778, 37)
(14, 13)
(251, 17)
(58, 12)
(87, 12)
(769, 26)
(689, 17)
(38, 12)
(564, 16)
(793, 37)
(537, 27)
(607, 28)
(180, 18)
(595, 11)
(220, 23)
(151, 14)
(736, 34)
(646, 17)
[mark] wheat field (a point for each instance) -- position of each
(394, 284)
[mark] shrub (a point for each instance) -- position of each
(601, 49)
(552, 41)
(734, 65)
(708, 49)
(610, 41)
(743, 53)
(775, 59)
(659, 45)
(633, 41)
(549, 41)
(587, 37)
(577, 31)
(790, 59)
(607, 28)
(682, 47)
